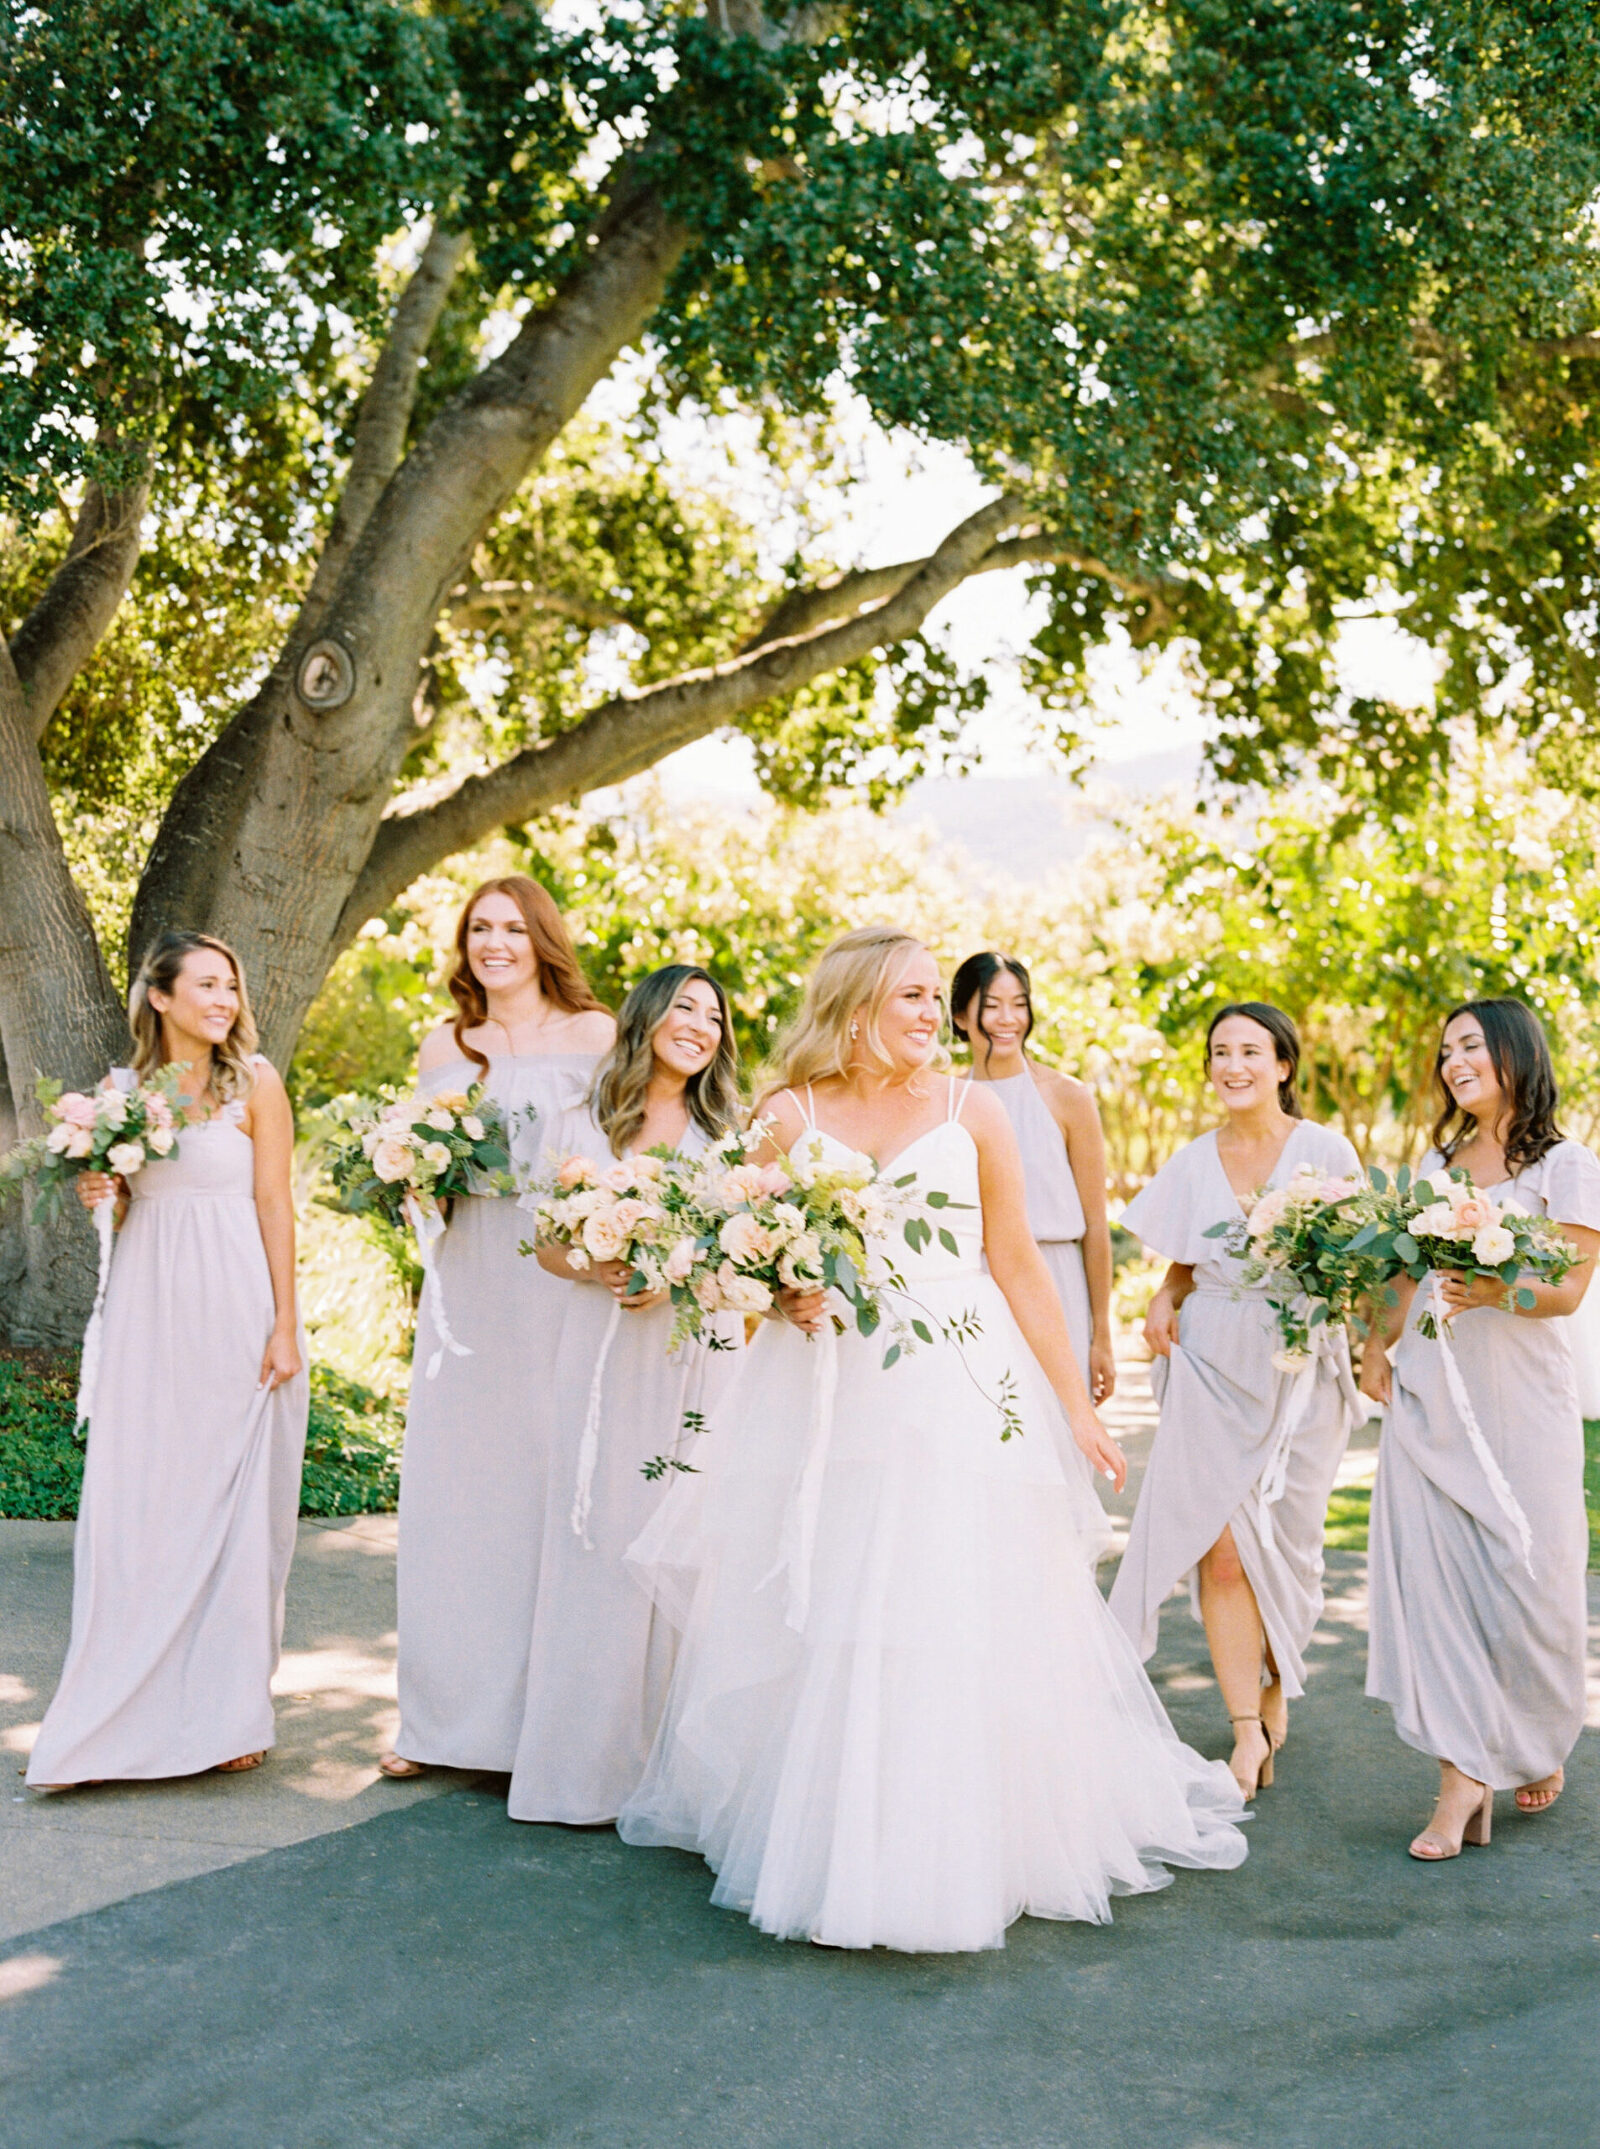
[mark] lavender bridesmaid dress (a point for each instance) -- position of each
(187, 1522)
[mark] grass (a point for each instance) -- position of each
(1351, 1505)
(1591, 1487)
(353, 1441)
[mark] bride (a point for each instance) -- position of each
(902, 1715)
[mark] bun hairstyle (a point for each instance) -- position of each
(621, 1090)
(232, 1075)
(561, 977)
(851, 982)
(972, 980)
(1520, 1053)
(1285, 1039)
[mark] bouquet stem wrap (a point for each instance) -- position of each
(799, 1542)
(89, 1365)
(1456, 1388)
(430, 1228)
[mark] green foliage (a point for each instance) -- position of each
(1591, 1486)
(352, 1464)
(1349, 1516)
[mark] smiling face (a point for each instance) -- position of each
(1468, 1071)
(999, 1014)
(685, 1041)
(911, 1016)
(499, 946)
(1244, 1067)
(203, 1005)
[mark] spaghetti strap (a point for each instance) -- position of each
(955, 1104)
(807, 1109)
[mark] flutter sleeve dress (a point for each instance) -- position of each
(1479, 1537)
(1241, 1442)
(477, 1454)
(186, 1526)
(601, 1655)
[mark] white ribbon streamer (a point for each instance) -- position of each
(105, 1218)
(430, 1228)
(799, 1542)
(589, 1444)
(1456, 1388)
(1274, 1479)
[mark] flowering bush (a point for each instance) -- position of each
(1306, 1241)
(112, 1129)
(391, 1152)
(1440, 1220)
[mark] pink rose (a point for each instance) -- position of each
(743, 1239)
(577, 1171)
(1474, 1215)
(679, 1262)
(73, 1109)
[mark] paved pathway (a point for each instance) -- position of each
(312, 1958)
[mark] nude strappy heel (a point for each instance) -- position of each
(1263, 1780)
(1475, 1831)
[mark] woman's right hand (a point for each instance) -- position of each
(1377, 1375)
(1161, 1324)
(1106, 1459)
(806, 1310)
(96, 1187)
(613, 1274)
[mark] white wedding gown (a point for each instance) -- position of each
(902, 1715)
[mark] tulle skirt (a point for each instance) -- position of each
(914, 1720)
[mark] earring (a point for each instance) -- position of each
(855, 1029)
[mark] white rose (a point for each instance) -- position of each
(577, 1260)
(436, 1156)
(1439, 1222)
(125, 1157)
(618, 1178)
(391, 1159)
(1493, 1245)
(440, 1121)
(82, 1142)
(472, 1128)
(601, 1235)
(801, 1263)
(160, 1139)
(58, 1139)
(1440, 1184)
(110, 1108)
(743, 1239)
(742, 1294)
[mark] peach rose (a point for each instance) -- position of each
(743, 1239)
(601, 1236)
(391, 1159)
(679, 1262)
(742, 1294)
(577, 1171)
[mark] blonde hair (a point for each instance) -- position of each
(232, 1075)
(852, 981)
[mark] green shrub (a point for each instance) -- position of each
(353, 1442)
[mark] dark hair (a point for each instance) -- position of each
(973, 979)
(1285, 1038)
(622, 1085)
(560, 977)
(1520, 1052)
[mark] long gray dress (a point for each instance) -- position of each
(187, 1522)
(601, 1655)
(1239, 1442)
(1477, 1586)
(1055, 1212)
(477, 1453)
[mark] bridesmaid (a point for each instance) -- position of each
(477, 1453)
(1063, 1152)
(602, 1655)
(1479, 1543)
(1236, 1495)
(198, 1416)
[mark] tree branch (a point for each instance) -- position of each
(803, 611)
(632, 732)
(65, 627)
(385, 410)
(510, 603)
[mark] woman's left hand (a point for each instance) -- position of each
(1102, 1371)
(640, 1300)
(281, 1359)
(1461, 1292)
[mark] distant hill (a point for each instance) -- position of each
(1024, 826)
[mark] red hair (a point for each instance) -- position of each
(561, 978)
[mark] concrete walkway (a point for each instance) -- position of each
(314, 1957)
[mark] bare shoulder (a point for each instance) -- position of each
(1071, 1102)
(982, 1112)
(595, 1030)
(267, 1080)
(780, 1110)
(438, 1048)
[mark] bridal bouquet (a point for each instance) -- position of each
(1308, 1241)
(637, 1210)
(116, 1128)
(398, 1158)
(1440, 1220)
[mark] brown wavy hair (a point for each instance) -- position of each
(561, 977)
(622, 1087)
(1520, 1053)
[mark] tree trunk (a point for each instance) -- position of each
(268, 833)
(58, 1016)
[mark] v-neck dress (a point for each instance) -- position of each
(1476, 1587)
(477, 1453)
(191, 1488)
(902, 1715)
(1225, 1409)
(601, 1653)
